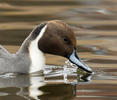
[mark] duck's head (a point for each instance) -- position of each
(55, 37)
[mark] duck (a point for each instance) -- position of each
(51, 37)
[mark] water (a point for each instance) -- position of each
(94, 22)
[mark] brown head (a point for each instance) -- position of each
(56, 37)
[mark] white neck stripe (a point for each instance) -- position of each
(36, 55)
(41, 33)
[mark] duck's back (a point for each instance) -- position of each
(4, 53)
(4, 59)
(10, 63)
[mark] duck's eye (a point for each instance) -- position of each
(66, 40)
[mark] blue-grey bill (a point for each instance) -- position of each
(76, 60)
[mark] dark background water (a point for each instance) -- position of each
(95, 25)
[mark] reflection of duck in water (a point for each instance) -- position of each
(35, 87)
(39, 90)
(55, 89)
(52, 37)
(39, 87)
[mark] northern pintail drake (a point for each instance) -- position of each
(52, 37)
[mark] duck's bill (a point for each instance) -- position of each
(76, 60)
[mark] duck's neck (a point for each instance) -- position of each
(33, 53)
(24, 49)
(30, 48)
(37, 57)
